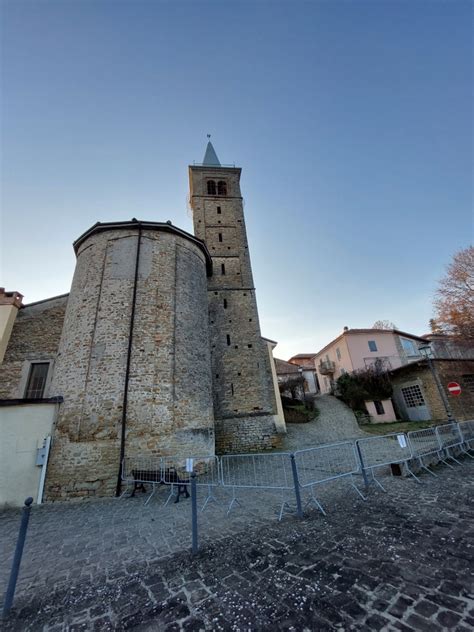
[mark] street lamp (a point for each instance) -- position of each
(300, 371)
(427, 353)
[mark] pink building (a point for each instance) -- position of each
(356, 349)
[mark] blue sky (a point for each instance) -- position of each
(351, 122)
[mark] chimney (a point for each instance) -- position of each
(346, 328)
(10, 303)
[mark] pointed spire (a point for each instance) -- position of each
(210, 157)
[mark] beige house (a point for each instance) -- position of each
(356, 349)
(305, 363)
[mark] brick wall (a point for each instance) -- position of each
(34, 338)
(462, 406)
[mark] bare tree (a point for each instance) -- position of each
(384, 324)
(454, 299)
(293, 385)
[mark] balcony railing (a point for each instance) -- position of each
(327, 367)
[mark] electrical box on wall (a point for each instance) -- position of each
(41, 454)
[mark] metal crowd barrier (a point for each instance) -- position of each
(449, 436)
(376, 452)
(467, 432)
(173, 471)
(327, 463)
(142, 470)
(177, 470)
(257, 471)
(425, 443)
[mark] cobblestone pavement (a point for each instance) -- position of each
(400, 561)
(336, 422)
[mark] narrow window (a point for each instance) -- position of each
(225, 303)
(372, 345)
(338, 353)
(220, 236)
(228, 340)
(211, 187)
(379, 407)
(221, 187)
(219, 210)
(231, 388)
(222, 268)
(37, 380)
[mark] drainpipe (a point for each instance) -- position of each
(127, 370)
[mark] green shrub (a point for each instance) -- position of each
(367, 384)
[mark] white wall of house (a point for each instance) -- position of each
(23, 429)
(279, 418)
(310, 378)
(388, 414)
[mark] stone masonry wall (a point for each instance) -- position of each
(244, 397)
(461, 406)
(246, 434)
(169, 394)
(34, 338)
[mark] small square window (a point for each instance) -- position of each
(413, 396)
(372, 345)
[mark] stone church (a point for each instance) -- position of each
(157, 348)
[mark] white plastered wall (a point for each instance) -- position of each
(23, 429)
(279, 418)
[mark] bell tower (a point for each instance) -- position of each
(244, 396)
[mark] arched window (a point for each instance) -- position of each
(221, 188)
(211, 187)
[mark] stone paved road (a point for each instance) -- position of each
(401, 561)
(336, 422)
